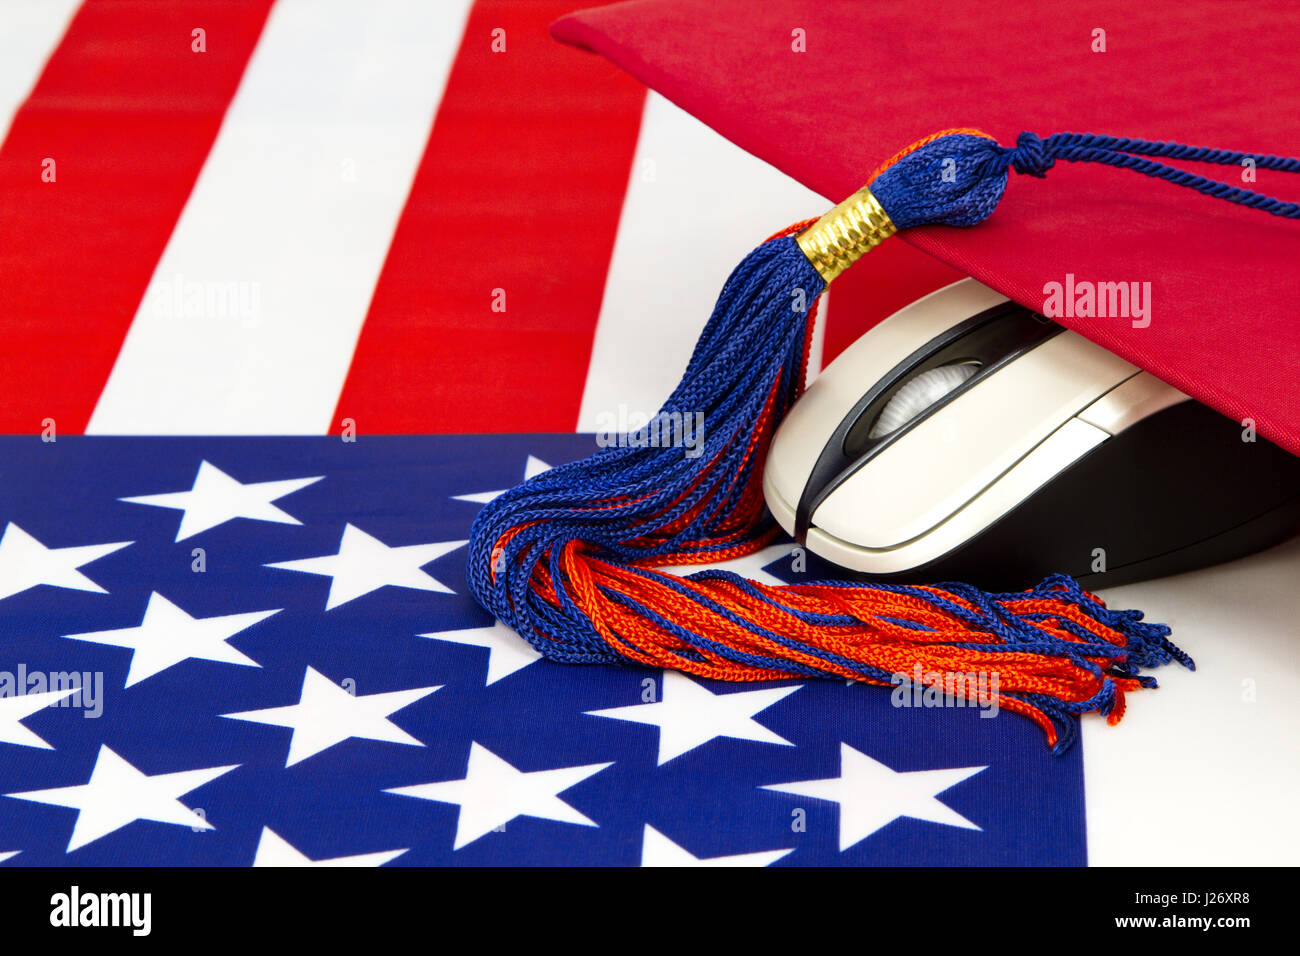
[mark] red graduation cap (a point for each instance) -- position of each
(829, 91)
(845, 96)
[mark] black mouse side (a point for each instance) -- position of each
(1176, 491)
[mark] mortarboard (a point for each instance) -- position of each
(897, 97)
(875, 76)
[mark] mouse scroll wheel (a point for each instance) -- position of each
(918, 393)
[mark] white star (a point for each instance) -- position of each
(118, 794)
(274, 850)
(750, 566)
(364, 564)
(167, 636)
(535, 466)
(689, 715)
(217, 498)
(507, 651)
(492, 793)
(326, 715)
(25, 563)
(8, 855)
(658, 850)
(14, 709)
(872, 795)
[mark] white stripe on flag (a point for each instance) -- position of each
(1204, 770)
(254, 309)
(30, 31)
(696, 204)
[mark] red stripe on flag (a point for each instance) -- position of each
(126, 111)
(515, 206)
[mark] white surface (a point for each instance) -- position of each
(295, 206)
(29, 32)
(695, 206)
(1197, 773)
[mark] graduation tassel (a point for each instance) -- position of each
(568, 558)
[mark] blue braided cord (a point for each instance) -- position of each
(1181, 177)
(700, 642)
(959, 179)
(758, 660)
(744, 584)
(1015, 630)
(1080, 632)
(692, 652)
(1200, 154)
(910, 625)
(1067, 724)
(1015, 633)
(1138, 651)
(728, 379)
(1021, 639)
(856, 666)
(1148, 644)
(1018, 636)
(675, 583)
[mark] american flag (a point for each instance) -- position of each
(262, 653)
(287, 291)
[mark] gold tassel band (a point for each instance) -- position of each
(845, 234)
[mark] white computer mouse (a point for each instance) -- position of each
(969, 438)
